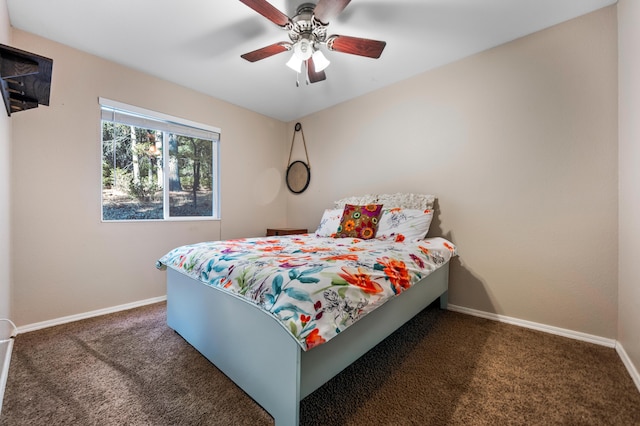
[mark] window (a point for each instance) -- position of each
(157, 167)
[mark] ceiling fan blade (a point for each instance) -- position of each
(356, 46)
(314, 76)
(267, 10)
(266, 51)
(326, 10)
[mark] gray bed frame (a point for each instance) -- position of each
(261, 357)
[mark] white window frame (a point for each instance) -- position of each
(170, 124)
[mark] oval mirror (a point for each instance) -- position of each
(298, 177)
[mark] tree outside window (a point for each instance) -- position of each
(155, 169)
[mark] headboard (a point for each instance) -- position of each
(400, 199)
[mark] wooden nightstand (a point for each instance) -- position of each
(285, 231)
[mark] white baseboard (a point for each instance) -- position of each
(91, 314)
(627, 363)
(603, 341)
(611, 343)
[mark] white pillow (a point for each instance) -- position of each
(329, 222)
(404, 224)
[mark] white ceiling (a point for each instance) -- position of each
(198, 43)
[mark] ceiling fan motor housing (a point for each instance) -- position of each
(305, 26)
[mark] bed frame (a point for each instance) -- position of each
(260, 356)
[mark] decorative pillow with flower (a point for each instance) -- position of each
(359, 221)
(329, 222)
(404, 224)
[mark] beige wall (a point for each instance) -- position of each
(65, 261)
(5, 185)
(519, 143)
(629, 155)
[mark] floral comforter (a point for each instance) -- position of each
(316, 287)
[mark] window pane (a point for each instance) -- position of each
(155, 166)
(191, 176)
(132, 177)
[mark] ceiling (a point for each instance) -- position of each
(198, 43)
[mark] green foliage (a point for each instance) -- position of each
(195, 158)
(144, 190)
(121, 180)
(107, 172)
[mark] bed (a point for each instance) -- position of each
(280, 316)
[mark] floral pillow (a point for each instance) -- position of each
(359, 221)
(329, 223)
(404, 224)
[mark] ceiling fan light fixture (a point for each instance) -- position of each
(295, 63)
(307, 30)
(320, 61)
(303, 49)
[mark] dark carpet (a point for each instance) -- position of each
(441, 368)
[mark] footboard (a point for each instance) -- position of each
(258, 354)
(245, 343)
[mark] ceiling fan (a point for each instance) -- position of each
(307, 32)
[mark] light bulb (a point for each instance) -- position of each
(303, 49)
(320, 62)
(295, 63)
